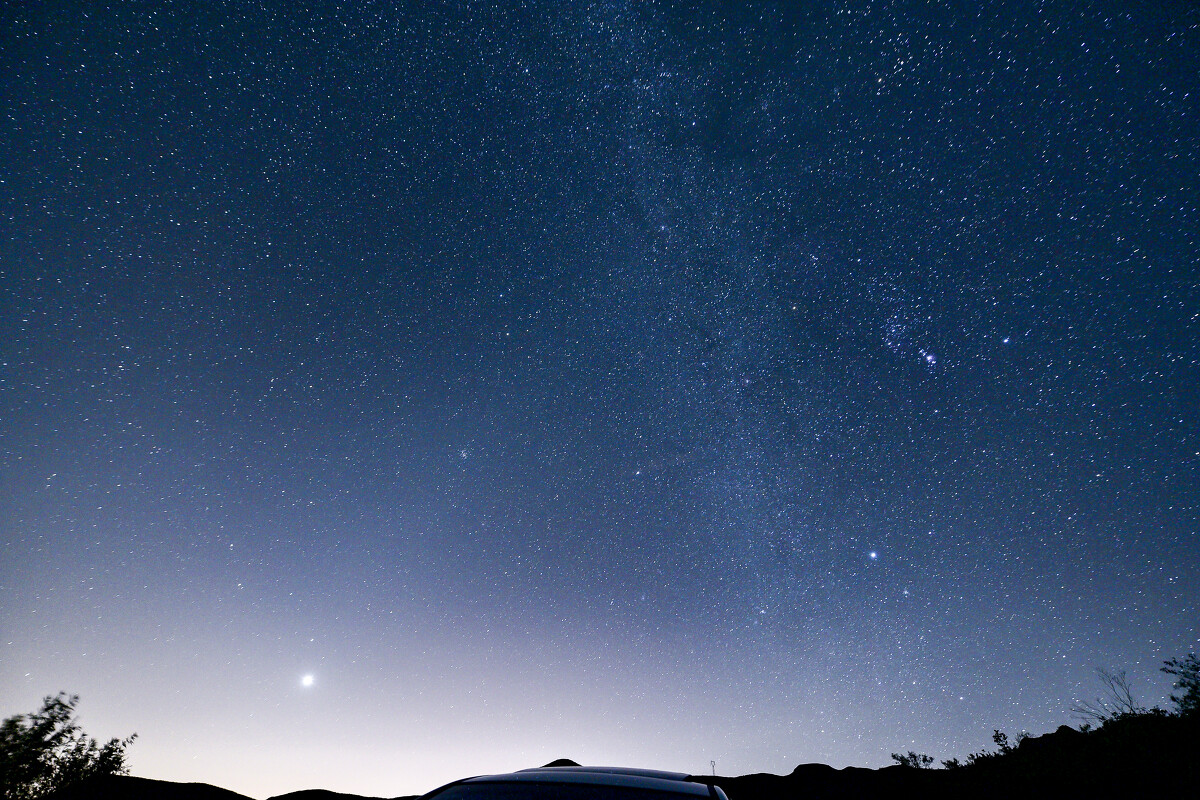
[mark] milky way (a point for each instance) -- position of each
(394, 392)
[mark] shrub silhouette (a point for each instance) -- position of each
(1116, 732)
(45, 751)
(913, 759)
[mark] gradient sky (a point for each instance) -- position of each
(629, 382)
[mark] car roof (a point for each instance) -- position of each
(602, 776)
(662, 774)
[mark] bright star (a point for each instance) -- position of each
(307, 681)
(873, 555)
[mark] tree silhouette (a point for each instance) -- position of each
(45, 751)
(1187, 679)
(1116, 701)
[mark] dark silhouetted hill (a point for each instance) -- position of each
(324, 794)
(1150, 754)
(124, 787)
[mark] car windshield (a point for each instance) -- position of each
(529, 790)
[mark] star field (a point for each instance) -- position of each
(391, 392)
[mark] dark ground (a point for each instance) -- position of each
(1144, 755)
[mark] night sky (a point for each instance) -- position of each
(628, 382)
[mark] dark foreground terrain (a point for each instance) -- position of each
(124, 787)
(1140, 755)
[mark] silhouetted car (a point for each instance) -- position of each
(579, 783)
